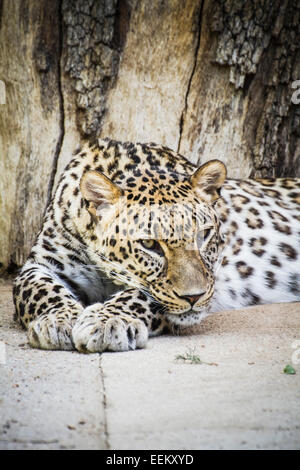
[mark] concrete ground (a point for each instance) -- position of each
(237, 397)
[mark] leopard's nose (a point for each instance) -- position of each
(192, 299)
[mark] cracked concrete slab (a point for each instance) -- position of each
(237, 397)
(48, 399)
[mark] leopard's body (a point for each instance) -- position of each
(136, 240)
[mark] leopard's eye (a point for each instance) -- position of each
(206, 233)
(203, 236)
(152, 245)
(149, 244)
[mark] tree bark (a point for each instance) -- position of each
(239, 106)
(30, 120)
(210, 79)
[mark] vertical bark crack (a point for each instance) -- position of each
(61, 106)
(183, 114)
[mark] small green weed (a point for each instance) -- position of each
(191, 357)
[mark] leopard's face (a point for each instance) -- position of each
(162, 238)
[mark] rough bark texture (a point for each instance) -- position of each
(239, 105)
(211, 79)
(259, 40)
(92, 44)
(30, 120)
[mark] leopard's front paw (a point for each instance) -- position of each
(96, 332)
(50, 331)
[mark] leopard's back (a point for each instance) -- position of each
(261, 259)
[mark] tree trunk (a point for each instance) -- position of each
(210, 79)
(30, 120)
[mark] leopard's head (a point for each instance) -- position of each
(160, 234)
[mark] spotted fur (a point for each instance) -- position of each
(137, 241)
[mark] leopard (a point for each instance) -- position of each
(137, 241)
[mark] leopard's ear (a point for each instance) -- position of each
(208, 179)
(98, 189)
